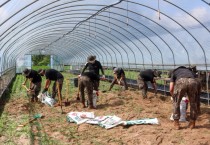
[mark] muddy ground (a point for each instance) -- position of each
(54, 129)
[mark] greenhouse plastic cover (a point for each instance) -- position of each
(127, 33)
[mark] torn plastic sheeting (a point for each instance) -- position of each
(80, 117)
(105, 121)
(141, 121)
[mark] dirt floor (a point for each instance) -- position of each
(54, 128)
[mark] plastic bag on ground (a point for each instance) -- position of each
(97, 120)
(183, 110)
(141, 121)
(46, 99)
(110, 121)
(80, 117)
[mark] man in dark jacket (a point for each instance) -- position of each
(119, 78)
(147, 76)
(52, 75)
(35, 83)
(88, 80)
(183, 82)
(94, 66)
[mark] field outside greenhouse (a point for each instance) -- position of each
(54, 128)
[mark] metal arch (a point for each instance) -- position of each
(188, 14)
(19, 31)
(206, 2)
(78, 45)
(91, 42)
(115, 19)
(18, 12)
(130, 49)
(181, 27)
(152, 32)
(108, 43)
(198, 22)
(94, 44)
(75, 42)
(4, 3)
(66, 34)
(157, 48)
(136, 37)
(10, 45)
(50, 9)
(31, 46)
(22, 19)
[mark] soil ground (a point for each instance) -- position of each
(54, 129)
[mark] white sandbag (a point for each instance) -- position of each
(95, 98)
(183, 110)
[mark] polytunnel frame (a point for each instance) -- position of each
(56, 1)
(191, 35)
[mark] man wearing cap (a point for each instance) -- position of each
(183, 82)
(119, 78)
(145, 76)
(52, 75)
(94, 66)
(35, 82)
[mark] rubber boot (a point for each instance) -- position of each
(192, 124)
(176, 124)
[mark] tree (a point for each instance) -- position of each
(40, 60)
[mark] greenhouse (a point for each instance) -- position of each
(134, 35)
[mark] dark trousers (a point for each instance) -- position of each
(55, 89)
(86, 83)
(142, 86)
(190, 87)
(36, 88)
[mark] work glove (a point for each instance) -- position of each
(45, 90)
(103, 77)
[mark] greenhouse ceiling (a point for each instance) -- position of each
(120, 32)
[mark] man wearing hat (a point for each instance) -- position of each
(35, 82)
(147, 76)
(94, 66)
(52, 75)
(119, 78)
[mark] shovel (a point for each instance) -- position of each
(36, 116)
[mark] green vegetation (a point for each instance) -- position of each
(41, 60)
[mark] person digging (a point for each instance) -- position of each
(119, 78)
(57, 77)
(35, 83)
